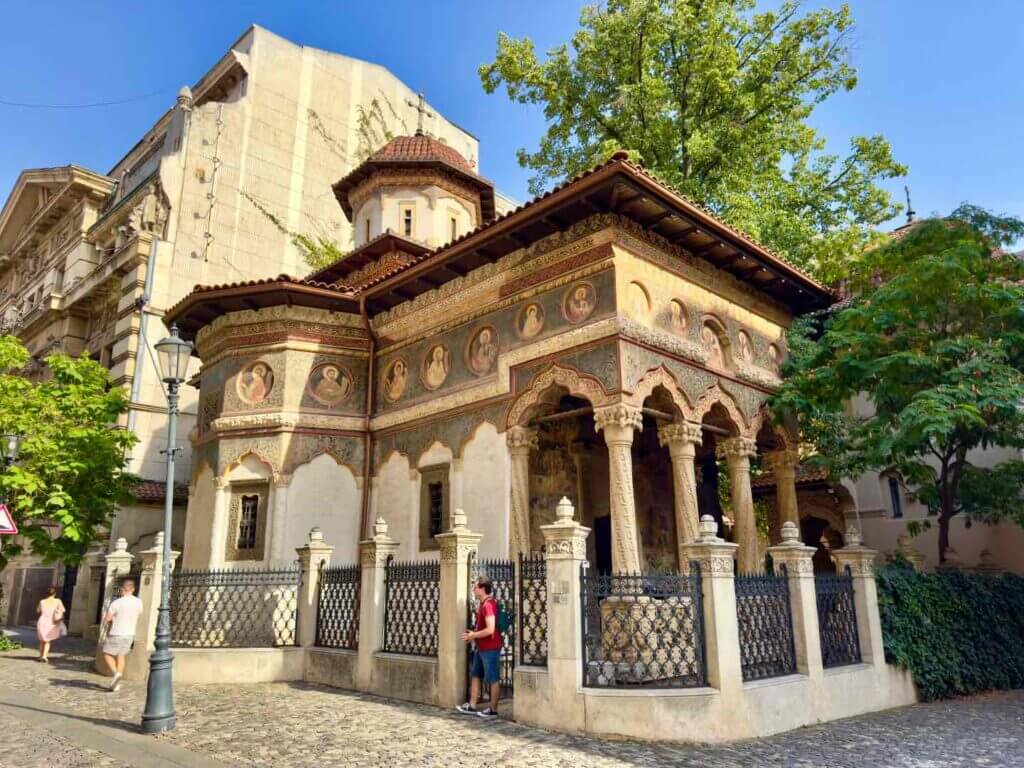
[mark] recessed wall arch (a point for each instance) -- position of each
(577, 384)
(656, 377)
(715, 395)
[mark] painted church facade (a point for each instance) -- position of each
(610, 341)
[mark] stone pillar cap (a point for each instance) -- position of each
(121, 545)
(709, 531)
(316, 536)
(458, 520)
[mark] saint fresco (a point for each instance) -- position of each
(677, 316)
(254, 383)
(436, 366)
(579, 302)
(482, 353)
(394, 380)
(531, 320)
(329, 384)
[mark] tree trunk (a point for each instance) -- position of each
(943, 537)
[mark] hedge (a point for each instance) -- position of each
(957, 633)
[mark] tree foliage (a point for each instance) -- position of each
(933, 339)
(71, 467)
(714, 98)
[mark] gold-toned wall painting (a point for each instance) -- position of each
(677, 316)
(709, 338)
(774, 357)
(530, 321)
(395, 378)
(482, 351)
(639, 301)
(329, 384)
(254, 383)
(436, 366)
(578, 302)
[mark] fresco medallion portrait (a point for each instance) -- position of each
(530, 321)
(579, 302)
(329, 384)
(436, 365)
(254, 383)
(482, 351)
(395, 378)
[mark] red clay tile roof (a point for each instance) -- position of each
(805, 473)
(153, 492)
(420, 148)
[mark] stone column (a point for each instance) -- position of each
(456, 548)
(861, 562)
(565, 543)
(85, 595)
(682, 439)
(137, 664)
(783, 465)
(313, 556)
(618, 423)
(521, 441)
(797, 560)
(373, 556)
(737, 452)
(716, 558)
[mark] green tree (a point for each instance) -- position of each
(71, 467)
(934, 340)
(713, 98)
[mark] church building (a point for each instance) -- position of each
(609, 341)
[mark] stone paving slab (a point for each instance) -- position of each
(298, 724)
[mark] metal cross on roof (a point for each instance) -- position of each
(420, 106)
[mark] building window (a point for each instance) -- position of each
(366, 233)
(408, 222)
(434, 501)
(894, 497)
(455, 228)
(247, 522)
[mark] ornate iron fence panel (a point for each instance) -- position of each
(765, 625)
(642, 630)
(503, 577)
(234, 608)
(411, 594)
(337, 611)
(837, 619)
(533, 610)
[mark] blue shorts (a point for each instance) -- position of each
(487, 664)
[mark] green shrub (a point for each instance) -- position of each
(957, 633)
(7, 644)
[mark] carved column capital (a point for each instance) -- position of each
(736, 448)
(521, 439)
(782, 462)
(618, 422)
(565, 539)
(680, 436)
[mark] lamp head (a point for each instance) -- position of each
(173, 353)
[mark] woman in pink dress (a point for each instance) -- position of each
(50, 625)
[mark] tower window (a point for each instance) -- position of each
(366, 233)
(407, 220)
(436, 511)
(455, 228)
(247, 522)
(434, 501)
(894, 497)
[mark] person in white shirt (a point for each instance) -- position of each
(122, 616)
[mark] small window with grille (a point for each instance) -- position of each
(434, 500)
(454, 228)
(248, 522)
(408, 220)
(895, 498)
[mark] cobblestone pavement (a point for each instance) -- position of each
(307, 725)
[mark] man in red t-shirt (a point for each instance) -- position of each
(487, 657)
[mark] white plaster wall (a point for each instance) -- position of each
(394, 502)
(323, 493)
(199, 521)
(486, 493)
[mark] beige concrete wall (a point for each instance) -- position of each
(323, 493)
(196, 550)
(486, 490)
(331, 666)
(397, 502)
(232, 666)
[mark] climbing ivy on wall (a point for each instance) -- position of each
(956, 632)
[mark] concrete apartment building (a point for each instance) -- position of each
(89, 261)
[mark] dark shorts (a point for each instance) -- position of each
(487, 664)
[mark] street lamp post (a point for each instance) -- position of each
(158, 716)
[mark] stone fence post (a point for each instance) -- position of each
(86, 592)
(803, 602)
(456, 548)
(148, 589)
(861, 562)
(118, 564)
(566, 550)
(373, 557)
(316, 554)
(716, 559)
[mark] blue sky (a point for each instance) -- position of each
(940, 79)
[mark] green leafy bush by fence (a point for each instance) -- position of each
(957, 633)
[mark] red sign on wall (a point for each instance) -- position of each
(6, 521)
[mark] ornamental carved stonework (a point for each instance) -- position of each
(557, 375)
(457, 551)
(721, 566)
(562, 549)
(620, 415)
(385, 265)
(736, 448)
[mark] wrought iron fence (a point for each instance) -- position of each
(837, 619)
(502, 576)
(533, 610)
(642, 631)
(765, 625)
(337, 611)
(234, 608)
(411, 593)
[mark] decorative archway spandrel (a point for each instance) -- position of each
(265, 450)
(716, 395)
(576, 383)
(662, 377)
